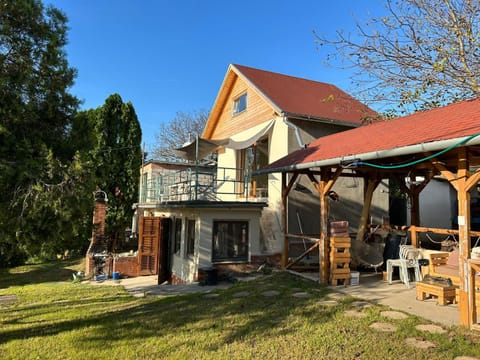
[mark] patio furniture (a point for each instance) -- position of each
(408, 260)
(445, 264)
(444, 293)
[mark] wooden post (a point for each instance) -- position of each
(323, 248)
(414, 236)
(284, 221)
(285, 191)
(372, 183)
(463, 196)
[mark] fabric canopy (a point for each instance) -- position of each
(200, 148)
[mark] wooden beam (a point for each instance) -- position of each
(463, 197)
(284, 220)
(302, 255)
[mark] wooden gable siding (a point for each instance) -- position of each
(258, 111)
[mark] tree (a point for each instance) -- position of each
(423, 54)
(35, 114)
(116, 156)
(182, 129)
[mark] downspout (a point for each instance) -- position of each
(296, 129)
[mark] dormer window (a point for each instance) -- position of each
(240, 104)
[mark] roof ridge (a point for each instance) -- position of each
(238, 66)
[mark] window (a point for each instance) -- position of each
(190, 238)
(178, 236)
(248, 160)
(230, 241)
(240, 104)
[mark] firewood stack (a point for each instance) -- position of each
(340, 244)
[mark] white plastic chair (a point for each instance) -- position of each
(408, 260)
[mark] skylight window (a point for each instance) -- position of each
(240, 104)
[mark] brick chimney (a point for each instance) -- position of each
(98, 243)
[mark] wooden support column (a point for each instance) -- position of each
(463, 196)
(463, 183)
(372, 183)
(327, 179)
(285, 191)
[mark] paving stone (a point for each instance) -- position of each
(385, 327)
(420, 343)
(210, 296)
(8, 299)
(337, 296)
(271, 293)
(354, 313)
(361, 304)
(327, 302)
(304, 295)
(241, 294)
(396, 315)
(434, 329)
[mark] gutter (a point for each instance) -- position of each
(374, 155)
(296, 129)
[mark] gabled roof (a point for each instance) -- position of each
(306, 98)
(293, 97)
(431, 130)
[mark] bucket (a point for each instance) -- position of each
(354, 278)
(115, 275)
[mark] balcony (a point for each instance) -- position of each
(202, 184)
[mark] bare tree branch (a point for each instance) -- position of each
(423, 54)
(183, 128)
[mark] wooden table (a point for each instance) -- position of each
(443, 293)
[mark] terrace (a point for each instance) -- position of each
(202, 183)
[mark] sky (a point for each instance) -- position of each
(169, 56)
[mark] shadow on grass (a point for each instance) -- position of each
(223, 319)
(40, 273)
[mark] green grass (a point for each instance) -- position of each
(55, 318)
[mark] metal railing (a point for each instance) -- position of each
(209, 184)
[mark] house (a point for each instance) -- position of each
(223, 216)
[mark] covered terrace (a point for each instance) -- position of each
(440, 142)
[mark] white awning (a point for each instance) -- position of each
(248, 137)
(193, 151)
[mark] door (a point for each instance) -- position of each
(148, 244)
(164, 251)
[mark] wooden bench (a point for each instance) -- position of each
(445, 265)
(443, 293)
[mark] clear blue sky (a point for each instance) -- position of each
(171, 55)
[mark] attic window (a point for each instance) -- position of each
(240, 104)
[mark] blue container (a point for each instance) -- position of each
(115, 275)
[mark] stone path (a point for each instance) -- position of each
(8, 299)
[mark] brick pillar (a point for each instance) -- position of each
(99, 213)
(98, 231)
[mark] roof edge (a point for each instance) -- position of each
(473, 139)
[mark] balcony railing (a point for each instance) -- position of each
(208, 184)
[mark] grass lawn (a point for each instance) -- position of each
(55, 318)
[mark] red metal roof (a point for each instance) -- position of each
(297, 96)
(449, 122)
